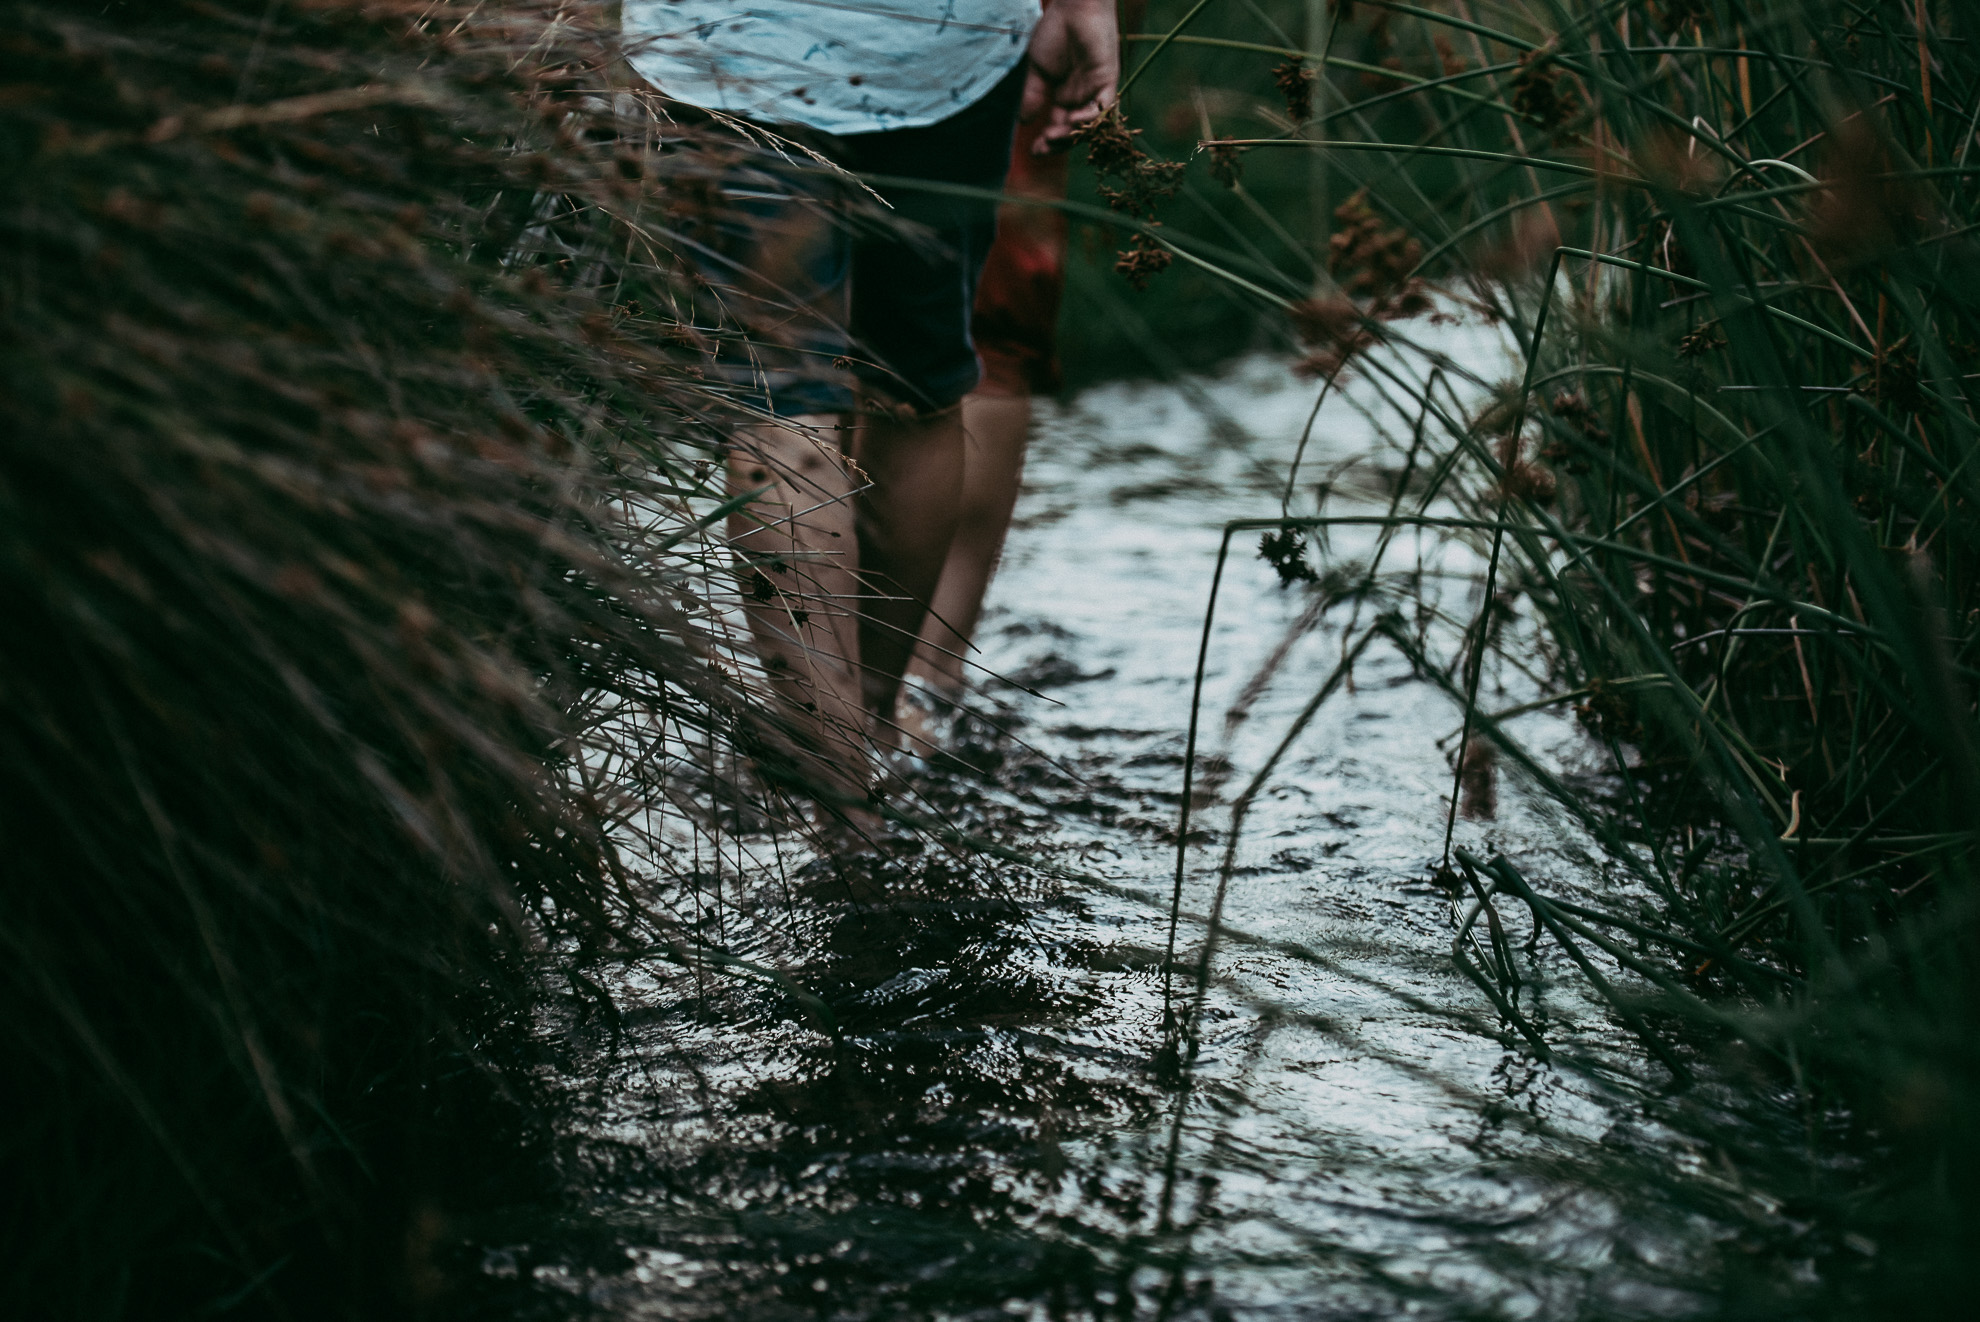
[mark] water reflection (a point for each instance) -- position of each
(973, 1124)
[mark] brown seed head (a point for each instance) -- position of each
(1539, 93)
(1295, 82)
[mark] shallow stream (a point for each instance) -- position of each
(995, 1132)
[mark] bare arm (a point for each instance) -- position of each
(1075, 68)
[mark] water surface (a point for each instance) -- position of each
(994, 1133)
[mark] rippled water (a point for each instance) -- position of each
(994, 1133)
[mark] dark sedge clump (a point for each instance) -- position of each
(314, 416)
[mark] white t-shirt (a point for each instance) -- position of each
(844, 66)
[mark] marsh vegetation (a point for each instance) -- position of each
(1728, 475)
(403, 910)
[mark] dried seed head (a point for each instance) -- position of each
(1295, 82)
(1520, 479)
(1142, 261)
(1226, 163)
(1702, 340)
(1285, 551)
(1374, 261)
(1110, 143)
(1573, 408)
(1537, 91)
(1335, 330)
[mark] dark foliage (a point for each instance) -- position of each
(322, 414)
(1733, 244)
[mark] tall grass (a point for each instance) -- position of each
(1734, 477)
(348, 527)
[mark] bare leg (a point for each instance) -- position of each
(907, 518)
(798, 563)
(994, 428)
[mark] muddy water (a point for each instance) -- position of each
(975, 1118)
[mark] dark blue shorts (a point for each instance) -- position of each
(826, 294)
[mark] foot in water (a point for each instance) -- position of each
(923, 720)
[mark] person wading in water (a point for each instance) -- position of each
(1016, 327)
(860, 350)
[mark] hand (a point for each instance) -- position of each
(1075, 69)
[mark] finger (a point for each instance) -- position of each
(1084, 114)
(1056, 135)
(1037, 95)
(1078, 93)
